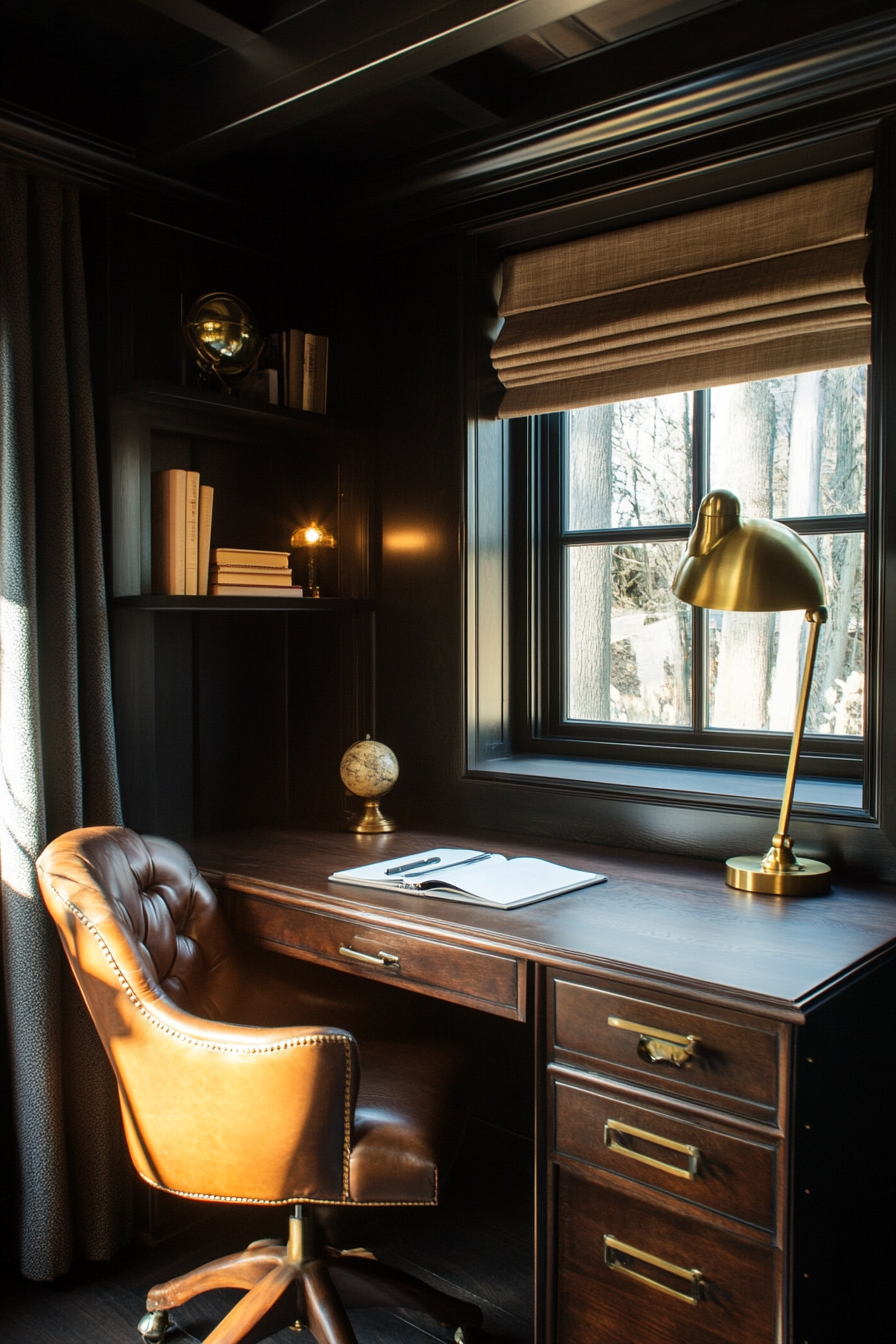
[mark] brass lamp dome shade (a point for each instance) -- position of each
(222, 333)
(750, 564)
(754, 564)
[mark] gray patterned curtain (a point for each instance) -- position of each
(57, 752)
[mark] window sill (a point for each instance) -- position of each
(734, 788)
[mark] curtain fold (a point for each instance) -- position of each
(637, 312)
(57, 751)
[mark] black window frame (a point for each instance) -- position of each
(538, 675)
(504, 784)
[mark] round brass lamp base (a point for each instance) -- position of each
(807, 877)
(371, 821)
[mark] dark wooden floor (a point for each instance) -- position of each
(477, 1244)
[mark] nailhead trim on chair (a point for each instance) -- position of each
(304, 1199)
(254, 1050)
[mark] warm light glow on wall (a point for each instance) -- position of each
(407, 539)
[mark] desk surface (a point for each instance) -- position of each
(666, 917)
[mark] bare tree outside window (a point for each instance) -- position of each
(628, 467)
(790, 448)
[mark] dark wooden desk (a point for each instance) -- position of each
(716, 1079)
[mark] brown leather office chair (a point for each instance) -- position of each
(223, 1100)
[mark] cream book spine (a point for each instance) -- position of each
(281, 578)
(292, 362)
(253, 590)
(235, 555)
(168, 539)
(206, 500)
(191, 535)
(314, 390)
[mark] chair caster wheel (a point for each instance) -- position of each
(153, 1327)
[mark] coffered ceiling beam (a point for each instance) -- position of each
(205, 20)
(321, 59)
(467, 111)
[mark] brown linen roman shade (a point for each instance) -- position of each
(754, 289)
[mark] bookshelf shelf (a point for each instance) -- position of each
(160, 602)
(280, 419)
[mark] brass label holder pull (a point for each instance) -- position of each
(615, 1134)
(658, 1046)
(381, 959)
(616, 1252)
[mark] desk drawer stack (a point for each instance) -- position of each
(715, 1073)
(667, 1157)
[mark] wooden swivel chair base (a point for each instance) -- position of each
(325, 1281)
(263, 1112)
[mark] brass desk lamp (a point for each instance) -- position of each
(753, 564)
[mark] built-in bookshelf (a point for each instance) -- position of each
(234, 711)
(308, 605)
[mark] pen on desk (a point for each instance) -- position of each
(462, 863)
(406, 867)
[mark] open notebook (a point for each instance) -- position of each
(471, 875)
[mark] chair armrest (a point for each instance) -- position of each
(255, 1114)
(212, 1110)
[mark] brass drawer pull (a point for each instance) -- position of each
(381, 958)
(613, 1248)
(659, 1046)
(617, 1127)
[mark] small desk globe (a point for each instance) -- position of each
(369, 769)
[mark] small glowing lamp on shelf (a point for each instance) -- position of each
(311, 538)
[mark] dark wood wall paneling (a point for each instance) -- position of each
(236, 718)
(413, 318)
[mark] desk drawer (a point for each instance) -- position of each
(484, 980)
(723, 1172)
(629, 1271)
(678, 1049)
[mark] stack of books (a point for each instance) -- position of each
(292, 371)
(240, 573)
(181, 532)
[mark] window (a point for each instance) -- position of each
(628, 665)
(586, 677)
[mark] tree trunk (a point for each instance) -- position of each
(744, 647)
(803, 500)
(841, 555)
(589, 582)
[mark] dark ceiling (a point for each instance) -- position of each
(182, 85)
(269, 94)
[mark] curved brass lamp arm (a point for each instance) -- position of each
(780, 857)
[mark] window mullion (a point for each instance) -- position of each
(700, 485)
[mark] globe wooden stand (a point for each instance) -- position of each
(371, 821)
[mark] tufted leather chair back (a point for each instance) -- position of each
(212, 1109)
(146, 898)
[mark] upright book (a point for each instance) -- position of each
(169, 530)
(191, 535)
(292, 367)
(206, 501)
(314, 392)
(471, 875)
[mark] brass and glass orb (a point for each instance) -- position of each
(223, 335)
